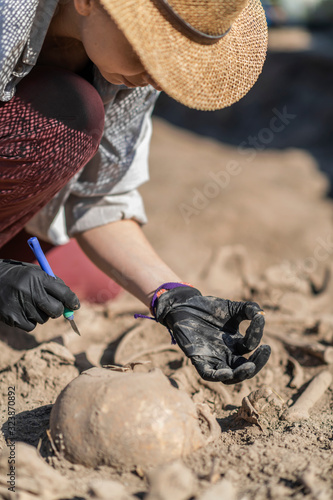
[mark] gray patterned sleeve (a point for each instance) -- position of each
(23, 27)
(106, 189)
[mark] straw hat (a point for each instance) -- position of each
(206, 54)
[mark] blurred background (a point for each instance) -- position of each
(297, 75)
(309, 12)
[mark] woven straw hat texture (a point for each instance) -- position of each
(198, 75)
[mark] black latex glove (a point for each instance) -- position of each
(206, 330)
(29, 296)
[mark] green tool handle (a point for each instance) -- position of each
(68, 314)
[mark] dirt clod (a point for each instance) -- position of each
(32, 478)
(223, 489)
(105, 489)
(173, 481)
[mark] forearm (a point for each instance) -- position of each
(121, 250)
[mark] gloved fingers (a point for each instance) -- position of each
(57, 288)
(49, 306)
(25, 324)
(214, 371)
(242, 372)
(19, 321)
(251, 366)
(207, 369)
(243, 310)
(255, 331)
(260, 357)
(34, 314)
(242, 368)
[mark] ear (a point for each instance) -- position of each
(84, 7)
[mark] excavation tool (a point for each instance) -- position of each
(42, 261)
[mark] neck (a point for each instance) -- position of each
(66, 22)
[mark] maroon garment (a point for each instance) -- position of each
(49, 130)
(18, 249)
(69, 263)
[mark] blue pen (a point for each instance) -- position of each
(42, 261)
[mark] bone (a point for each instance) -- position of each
(249, 411)
(320, 351)
(162, 423)
(121, 359)
(244, 390)
(219, 389)
(252, 409)
(187, 379)
(317, 387)
(153, 350)
(126, 338)
(297, 374)
(262, 392)
(325, 328)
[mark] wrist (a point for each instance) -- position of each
(168, 289)
(165, 287)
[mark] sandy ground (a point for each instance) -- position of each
(264, 233)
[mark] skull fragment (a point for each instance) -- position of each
(128, 419)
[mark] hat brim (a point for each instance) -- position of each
(204, 77)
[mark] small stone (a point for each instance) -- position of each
(171, 482)
(221, 490)
(75, 467)
(106, 489)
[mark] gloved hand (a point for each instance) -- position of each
(206, 330)
(29, 296)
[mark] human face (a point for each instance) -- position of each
(108, 48)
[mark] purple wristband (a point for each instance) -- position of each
(165, 286)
